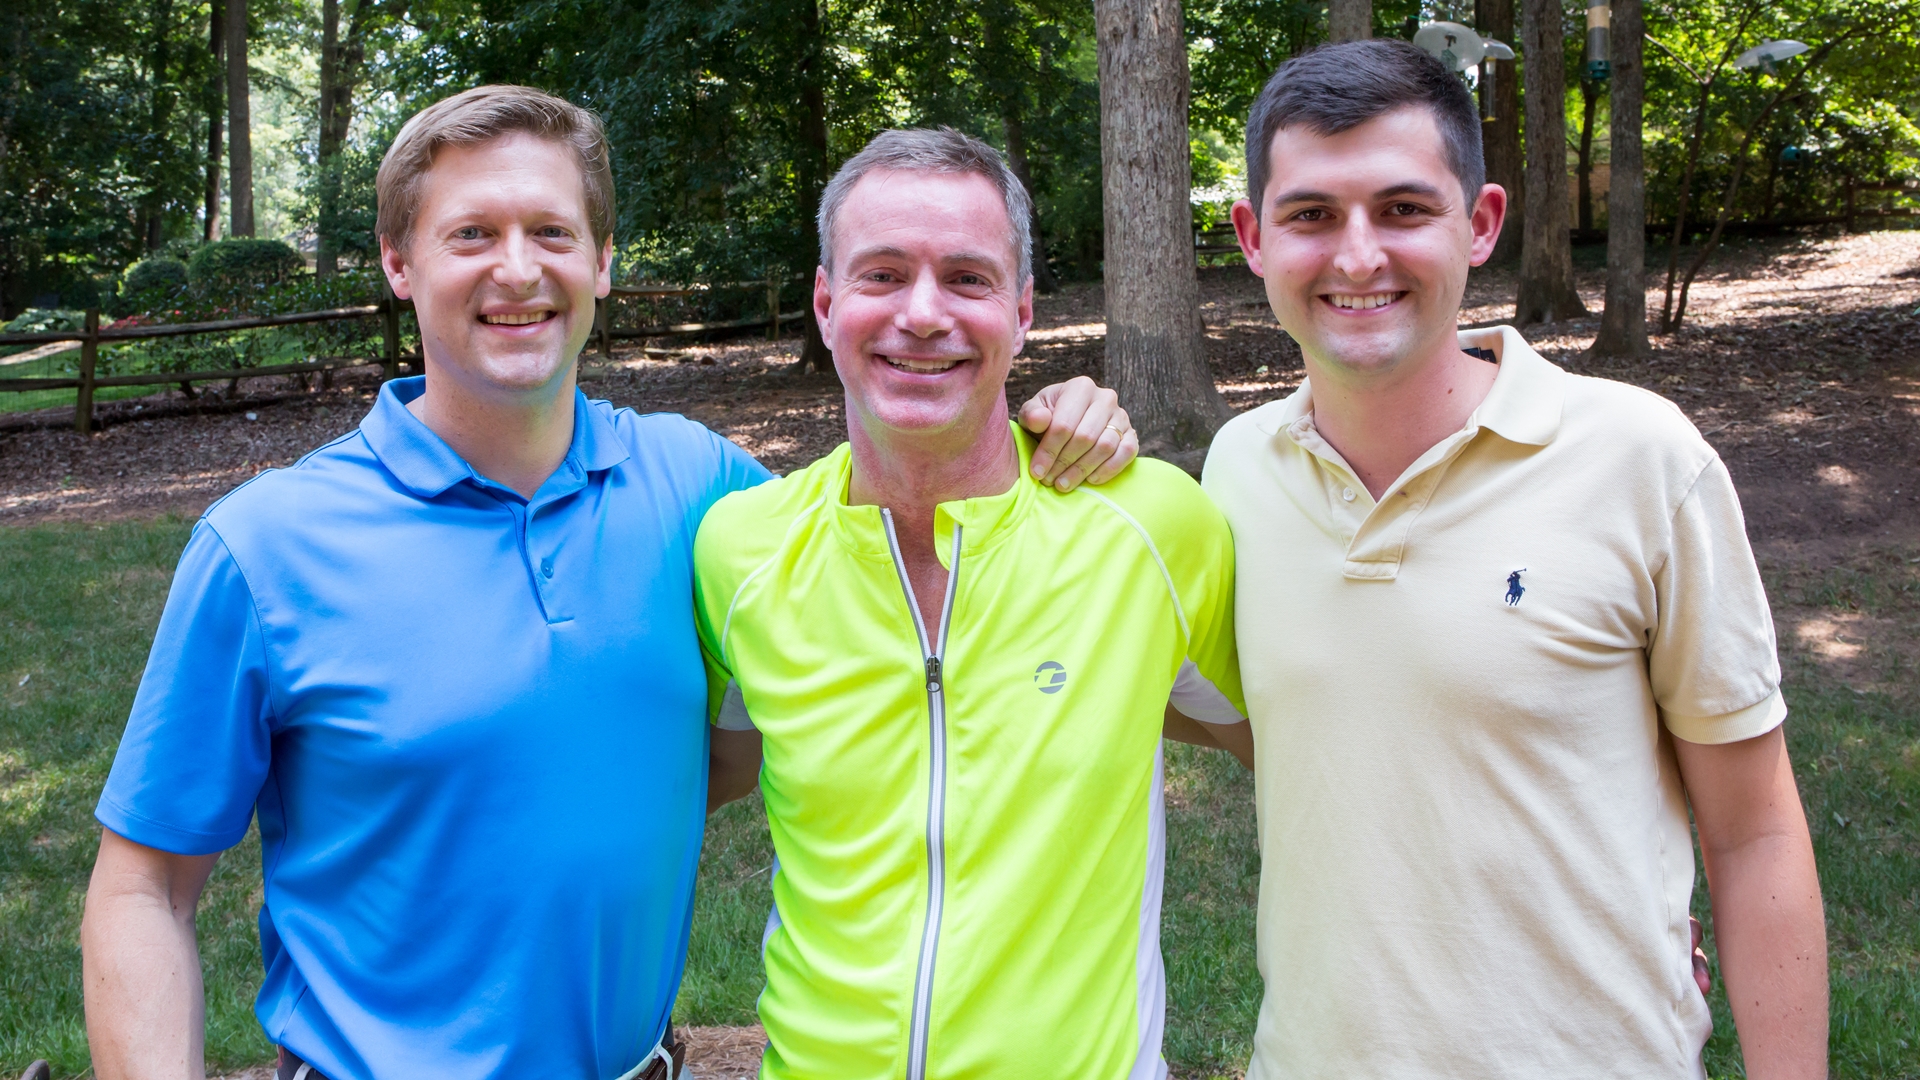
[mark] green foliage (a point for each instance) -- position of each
(44, 321)
(160, 274)
(240, 270)
(151, 284)
(1850, 118)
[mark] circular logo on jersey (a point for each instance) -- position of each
(1050, 677)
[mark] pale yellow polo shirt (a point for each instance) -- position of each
(1476, 859)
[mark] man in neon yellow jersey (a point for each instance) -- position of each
(958, 677)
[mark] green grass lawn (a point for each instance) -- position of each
(78, 605)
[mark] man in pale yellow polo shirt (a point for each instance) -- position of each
(1499, 628)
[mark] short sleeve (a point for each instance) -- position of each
(198, 743)
(1207, 687)
(1712, 660)
(738, 470)
(726, 709)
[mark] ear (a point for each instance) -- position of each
(603, 273)
(394, 262)
(823, 303)
(1025, 313)
(1246, 229)
(1489, 213)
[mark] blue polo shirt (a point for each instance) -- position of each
(472, 726)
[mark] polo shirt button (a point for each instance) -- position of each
(546, 567)
(1347, 494)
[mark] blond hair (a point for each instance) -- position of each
(481, 115)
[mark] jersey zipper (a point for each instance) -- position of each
(932, 657)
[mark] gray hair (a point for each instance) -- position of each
(1336, 88)
(933, 150)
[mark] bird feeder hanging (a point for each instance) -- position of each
(1599, 19)
(1460, 48)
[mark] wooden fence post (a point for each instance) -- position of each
(603, 325)
(390, 326)
(773, 302)
(89, 355)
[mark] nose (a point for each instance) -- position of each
(1360, 255)
(925, 313)
(518, 269)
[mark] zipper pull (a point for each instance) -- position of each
(933, 673)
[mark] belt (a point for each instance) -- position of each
(666, 1061)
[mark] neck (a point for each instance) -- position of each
(515, 440)
(1382, 421)
(912, 474)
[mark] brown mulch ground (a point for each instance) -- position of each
(1800, 363)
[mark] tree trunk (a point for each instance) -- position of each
(12, 103)
(239, 124)
(1546, 260)
(811, 169)
(341, 64)
(216, 104)
(1349, 20)
(1500, 137)
(1043, 279)
(1156, 347)
(1686, 197)
(1589, 93)
(326, 255)
(160, 116)
(1623, 325)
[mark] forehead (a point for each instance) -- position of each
(517, 171)
(928, 213)
(1400, 146)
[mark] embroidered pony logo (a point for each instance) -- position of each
(1515, 590)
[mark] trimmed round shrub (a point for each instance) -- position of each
(234, 268)
(163, 276)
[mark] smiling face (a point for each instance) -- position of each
(922, 308)
(501, 266)
(1365, 240)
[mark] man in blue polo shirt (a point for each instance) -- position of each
(450, 660)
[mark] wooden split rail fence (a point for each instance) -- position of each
(92, 335)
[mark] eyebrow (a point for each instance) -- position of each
(969, 258)
(1411, 187)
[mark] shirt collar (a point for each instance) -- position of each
(427, 466)
(1528, 395)
(1523, 406)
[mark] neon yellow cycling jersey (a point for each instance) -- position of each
(967, 817)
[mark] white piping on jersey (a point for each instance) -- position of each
(1147, 538)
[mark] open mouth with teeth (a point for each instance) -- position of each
(519, 318)
(1361, 301)
(914, 366)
